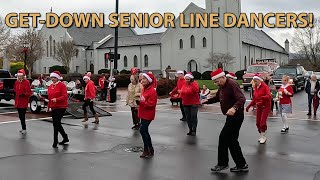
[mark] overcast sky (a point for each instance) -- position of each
(161, 6)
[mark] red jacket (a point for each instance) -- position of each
(58, 91)
(148, 102)
(180, 83)
(101, 83)
(190, 94)
(286, 99)
(90, 90)
(261, 96)
(23, 93)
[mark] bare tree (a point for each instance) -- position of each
(216, 59)
(65, 51)
(306, 41)
(35, 48)
(4, 33)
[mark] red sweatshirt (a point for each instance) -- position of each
(180, 83)
(286, 99)
(261, 96)
(190, 94)
(148, 102)
(58, 91)
(90, 90)
(101, 83)
(23, 93)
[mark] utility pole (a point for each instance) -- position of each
(116, 39)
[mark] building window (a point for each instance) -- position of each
(192, 66)
(181, 43)
(204, 42)
(54, 47)
(45, 70)
(125, 61)
(77, 69)
(91, 54)
(50, 41)
(146, 61)
(192, 40)
(47, 49)
(135, 61)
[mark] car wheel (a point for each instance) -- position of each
(246, 88)
(34, 107)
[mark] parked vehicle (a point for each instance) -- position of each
(6, 85)
(317, 74)
(297, 75)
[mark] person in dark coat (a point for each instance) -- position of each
(312, 88)
(113, 90)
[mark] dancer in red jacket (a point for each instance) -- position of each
(177, 90)
(285, 94)
(191, 100)
(262, 100)
(146, 111)
(58, 103)
(23, 92)
(90, 95)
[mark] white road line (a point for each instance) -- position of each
(37, 119)
(8, 113)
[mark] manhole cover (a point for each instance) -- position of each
(134, 149)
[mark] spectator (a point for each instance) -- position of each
(113, 90)
(274, 94)
(134, 92)
(102, 80)
(204, 92)
(312, 88)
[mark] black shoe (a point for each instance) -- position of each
(137, 127)
(193, 134)
(309, 114)
(65, 140)
(315, 114)
(189, 133)
(218, 168)
(183, 119)
(134, 127)
(245, 168)
(55, 145)
(284, 130)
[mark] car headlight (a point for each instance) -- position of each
(244, 79)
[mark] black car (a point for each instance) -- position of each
(297, 75)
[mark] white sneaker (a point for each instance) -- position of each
(23, 131)
(260, 137)
(263, 138)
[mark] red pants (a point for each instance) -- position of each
(262, 116)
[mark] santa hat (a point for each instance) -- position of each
(257, 77)
(86, 77)
(217, 74)
(88, 74)
(189, 74)
(231, 75)
(56, 74)
(134, 71)
(180, 72)
(21, 72)
(149, 76)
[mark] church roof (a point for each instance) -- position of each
(137, 40)
(261, 39)
(85, 36)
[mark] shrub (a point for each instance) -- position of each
(15, 67)
(239, 74)
(206, 75)
(196, 75)
(123, 80)
(125, 72)
(61, 69)
(163, 87)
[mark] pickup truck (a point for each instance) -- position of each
(6, 85)
(262, 70)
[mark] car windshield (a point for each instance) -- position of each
(282, 71)
(254, 69)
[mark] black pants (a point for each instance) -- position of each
(113, 95)
(135, 118)
(22, 117)
(57, 115)
(274, 103)
(89, 103)
(192, 117)
(144, 131)
(105, 94)
(102, 94)
(182, 109)
(228, 139)
(310, 99)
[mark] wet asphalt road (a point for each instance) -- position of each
(100, 151)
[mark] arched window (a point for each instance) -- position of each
(181, 44)
(204, 42)
(50, 41)
(125, 61)
(47, 49)
(54, 47)
(192, 66)
(192, 40)
(135, 61)
(146, 61)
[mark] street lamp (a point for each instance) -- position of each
(25, 50)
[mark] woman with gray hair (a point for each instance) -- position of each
(134, 92)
